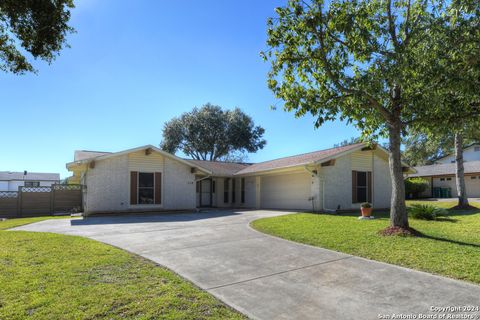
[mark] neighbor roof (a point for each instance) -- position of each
(300, 160)
(85, 154)
(445, 169)
(219, 168)
(8, 176)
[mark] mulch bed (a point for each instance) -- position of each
(398, 231)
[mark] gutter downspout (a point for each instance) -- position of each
(323, 189)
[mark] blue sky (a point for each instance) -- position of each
(132, 66)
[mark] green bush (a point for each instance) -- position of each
(415, 186)
(426, 212)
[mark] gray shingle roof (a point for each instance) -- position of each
(445, 169)
(297, 160)
(38, 176)
(219, 168)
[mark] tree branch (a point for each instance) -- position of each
(391, 26)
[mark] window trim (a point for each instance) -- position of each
(138, 188)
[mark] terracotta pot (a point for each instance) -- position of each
(366, 212)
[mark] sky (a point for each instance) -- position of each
(132, 66)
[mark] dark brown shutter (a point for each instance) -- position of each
(158, 187)
(369, 186)
(354, 186)
(133, 187)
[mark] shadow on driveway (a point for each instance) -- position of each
(152, 217)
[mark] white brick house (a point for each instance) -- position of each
(149, 179)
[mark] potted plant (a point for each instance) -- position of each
(366, 209)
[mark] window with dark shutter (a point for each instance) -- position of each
(158, 187)
(225, 189)
(242, 190)
(233, 190)
(133, 187)
(361, 186)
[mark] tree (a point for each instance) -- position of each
(210, 133)
(360, 61)
(456, 86)
(347, 142)
(38, 27)
(423, 149)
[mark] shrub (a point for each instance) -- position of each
(426, 212)
(366, 205)
(415, 186)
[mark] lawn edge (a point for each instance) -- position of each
(358, 257)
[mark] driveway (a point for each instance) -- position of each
(269, 278)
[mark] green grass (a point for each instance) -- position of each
(51, 276)
(12, 223)
(449, 247)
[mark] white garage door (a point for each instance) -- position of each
(473, 186)
(288, 191)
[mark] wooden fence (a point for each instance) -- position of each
(40, 201)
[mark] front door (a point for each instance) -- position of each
(206, 193)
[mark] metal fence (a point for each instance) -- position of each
(40, 201)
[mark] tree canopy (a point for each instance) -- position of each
(37, 27)
(211, 133)
(367, 62)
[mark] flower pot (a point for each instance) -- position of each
(366, 212)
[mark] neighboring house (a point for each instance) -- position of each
(10, 181)
(443, 176)
(470, 153)
(149, 179)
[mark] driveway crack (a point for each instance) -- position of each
(277, 273)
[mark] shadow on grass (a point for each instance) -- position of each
(461, 243)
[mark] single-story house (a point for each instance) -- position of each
(443, 176)
(149, 179)
(11, 181)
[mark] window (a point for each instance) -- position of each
(361, 186)
(473, 177)
(449, 179)
(146, 189)
(453, 161)
(32, 183)
(233, 190)
(242, 190)
(442, 179)
(476, 149)
(225, 189)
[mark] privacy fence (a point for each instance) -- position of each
(40, 201)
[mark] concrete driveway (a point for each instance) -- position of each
(269, 278)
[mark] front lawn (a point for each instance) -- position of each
(450, 247)
(51, 276)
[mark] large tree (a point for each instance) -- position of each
(455, 43)
(361, 61)
(36, 27)
(211, 133)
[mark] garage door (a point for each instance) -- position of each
(473, 186)
(288, 191)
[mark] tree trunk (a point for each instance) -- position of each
(460, 172)
(398, 209)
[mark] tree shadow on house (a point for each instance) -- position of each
(165, 217)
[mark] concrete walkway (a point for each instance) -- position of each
(269, 278)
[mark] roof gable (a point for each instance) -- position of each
(301, 159)
(107, 155)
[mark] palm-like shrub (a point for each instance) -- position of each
(426, 212)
